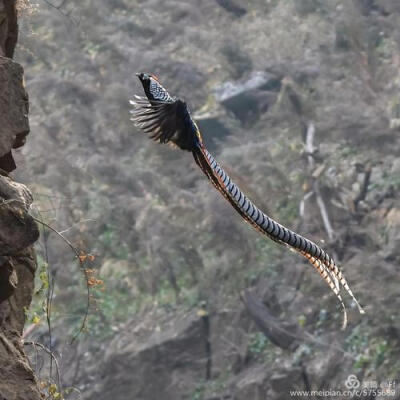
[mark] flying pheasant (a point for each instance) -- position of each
(167, 119)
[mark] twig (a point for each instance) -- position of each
(61, 9)
(52, 356)
(74, 249)
(76, 390)
(79, 222)
(85, 317)
(82, 267)
(49, 293)
(78, 363)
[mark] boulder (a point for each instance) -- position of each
(250, 97)
(281, 333)
(165, 360)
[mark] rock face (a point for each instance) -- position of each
(170, 359)
(17, 228)
(16, 283)
(14, 125)
(18, 231)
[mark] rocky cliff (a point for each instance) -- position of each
(18, 231)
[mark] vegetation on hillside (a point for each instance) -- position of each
(164, 241)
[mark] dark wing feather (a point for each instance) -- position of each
(165, 121)
(158, 120)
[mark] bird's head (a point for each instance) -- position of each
(151, 85)
(146, 79)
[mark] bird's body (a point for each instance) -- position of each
(167, 119)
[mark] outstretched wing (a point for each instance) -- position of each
(159, 120)
(165, 121)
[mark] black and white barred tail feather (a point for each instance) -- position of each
(326, 275)
(320, 260)
(167, 120)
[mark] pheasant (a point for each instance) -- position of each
(167, 119)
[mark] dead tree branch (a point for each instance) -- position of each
(302, 205)
(310, 149)
(52, 356)
(364, 187)
(324, 212)
(281, 334)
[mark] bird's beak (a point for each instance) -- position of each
(137, 74)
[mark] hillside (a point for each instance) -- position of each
(259, 76)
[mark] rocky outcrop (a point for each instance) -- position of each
(18, 231)
(284, 335)
(166, 359)
(250, 97)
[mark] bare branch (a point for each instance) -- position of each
(324, 212)
(52, 356)
(302, 204)
(74, 249)
(310, 149)
(364, 187)
(78, 223)
(61, 9)
(82, 261)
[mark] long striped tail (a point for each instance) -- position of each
(318, 258)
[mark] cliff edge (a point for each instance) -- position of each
(18, 231)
